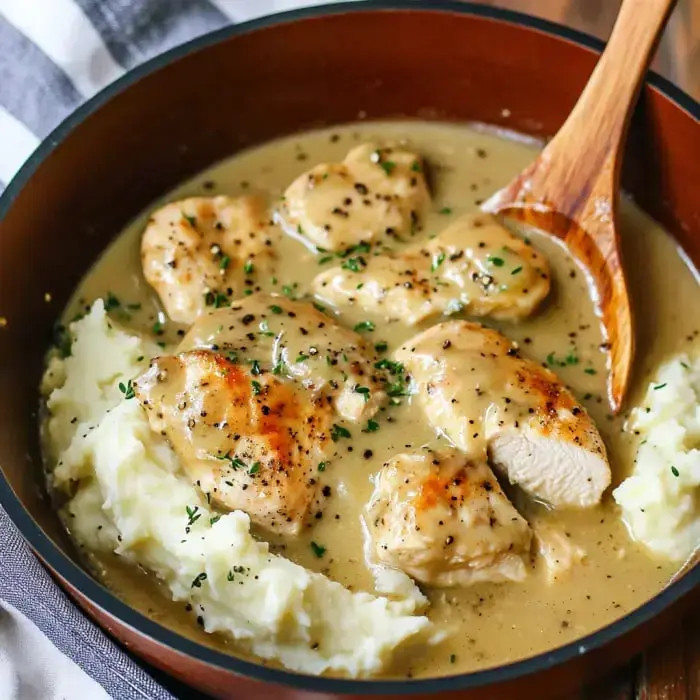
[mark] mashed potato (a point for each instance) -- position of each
(132, 498)
(660, 499)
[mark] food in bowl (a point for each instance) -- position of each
(316, 408)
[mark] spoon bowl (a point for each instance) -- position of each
(571, 190)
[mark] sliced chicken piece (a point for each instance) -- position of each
(376, 191)
(443, 519)
(560, 555)
(475, 265)
(203, 251)
(250, 442)
(475, 389)
(292, 339)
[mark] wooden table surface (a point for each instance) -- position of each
(670, 669)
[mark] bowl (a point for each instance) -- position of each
(241, 86)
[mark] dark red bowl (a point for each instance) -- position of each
(240, 86)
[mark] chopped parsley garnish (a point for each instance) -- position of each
(235, 463)
(276, 309)
(288, 291)
(396, 369)
(590, 370)
(111, 302)
(322, 466)
(381, 346)
(685, 365)
(139, 358)
(494, 260)
(393, 367)
(437, 262)
(363, 247)
(659, 386)
(388, 166)
(232, 356)
(319, 307)
(516, 270)
(372, 427)
(318, 549)
(352, 264)
(215, 299)
(225, 262)
(300, 230)
(569, 359)
(364, 326)
(257, 388)
(255, 369)
(278, 368)
(193, 515)
(416, 167)
(127, 389)
(247, 292)
(446, 211)
(338, 431)
(254, 469)
(134, 307)
(197, 582)
(364, 390)
(158, 328)
(215, 518)
(191, 220)
(248, 267)
(229, 576)
(301, 357)
(325, 259)
(675, 471)
(359, 286)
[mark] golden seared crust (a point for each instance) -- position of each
(250, 442)
(476, 389)
(444, 519)
(295, 340)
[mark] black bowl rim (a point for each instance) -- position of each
(108, 602)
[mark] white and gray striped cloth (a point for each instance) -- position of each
(54, 54)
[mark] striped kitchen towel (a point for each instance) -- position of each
(54, 54)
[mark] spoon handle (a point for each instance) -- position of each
(585, 154)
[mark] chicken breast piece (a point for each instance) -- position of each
(203, 251)
(475, 389)
(443, 519)
(376, 191)
(475, 265)
(250, 442)
(293, 339)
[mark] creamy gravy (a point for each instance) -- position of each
(491, 623)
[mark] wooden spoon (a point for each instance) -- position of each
(571, 190)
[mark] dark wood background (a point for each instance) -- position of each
(670, 669)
